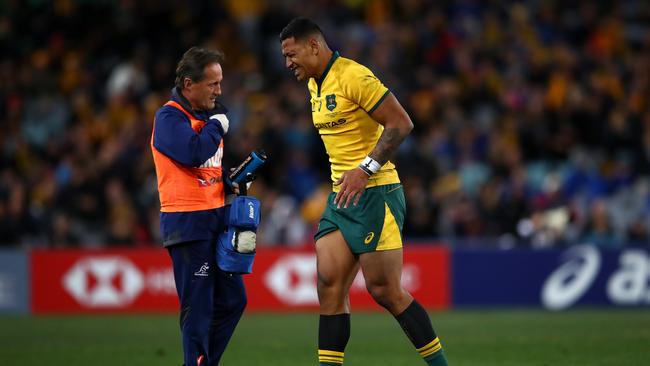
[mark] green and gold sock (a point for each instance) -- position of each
(333, 336)
(326, 357)
(416, 324)
(433, 354)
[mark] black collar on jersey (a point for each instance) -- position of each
(178, 97)
(319, 82)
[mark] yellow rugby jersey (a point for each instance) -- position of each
(341, 103)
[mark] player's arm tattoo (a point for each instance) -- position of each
(388, 143)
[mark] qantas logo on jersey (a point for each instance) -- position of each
(330, 124)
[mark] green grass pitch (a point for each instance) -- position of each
(470, 338)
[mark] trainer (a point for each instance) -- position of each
(187, 145)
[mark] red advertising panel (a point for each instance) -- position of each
(142, 280)
(97, 281)
(286, 280)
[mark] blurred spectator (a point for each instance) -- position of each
(532, 119)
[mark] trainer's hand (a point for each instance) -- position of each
(235, 187)
(352, 184)
(249, 181)
(223, 121)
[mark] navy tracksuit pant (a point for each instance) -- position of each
(212, 302)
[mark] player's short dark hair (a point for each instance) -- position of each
(193, 63)
(300, 28)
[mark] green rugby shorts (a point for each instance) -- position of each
(374, 224)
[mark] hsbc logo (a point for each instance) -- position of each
(293, 279)
(104, 281)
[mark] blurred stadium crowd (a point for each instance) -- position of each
(532, 119)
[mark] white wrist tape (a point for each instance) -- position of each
(370, 165)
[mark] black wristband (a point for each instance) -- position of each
(365, 170)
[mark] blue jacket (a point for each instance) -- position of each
(174, 137)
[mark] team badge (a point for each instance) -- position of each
(330, 101)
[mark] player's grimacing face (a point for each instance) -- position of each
(203, 94)
(298, 57)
